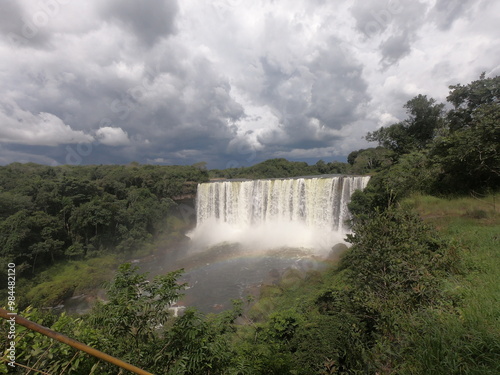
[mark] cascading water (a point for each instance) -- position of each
(299, 212)
(251, 233)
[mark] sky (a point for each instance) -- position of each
(226, 82)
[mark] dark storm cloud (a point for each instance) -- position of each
(339, 88)
(165, 98)
(23, 28)
(376, 16)
(315, 100)
(179, 105)
(148, 20)
(227, 82)
(178, 102)
(395, 48)
(274, 77)
(188, 97)
(395, 21)
(10, 17)
(446, 12)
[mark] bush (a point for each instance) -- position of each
(396, 259)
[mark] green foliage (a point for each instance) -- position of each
(425, 117)
(10, 203)
(469, 151)
(376, 197)
(413, 172)
(400, 303)
(195, 346)
(49, 214)
(396, 305)
(40, 352)
(465, 340)
(136, 307)
(283, 325)
(143, 331)
(467, 99)
(470, 155)
(30, 238)
(405, 299)
(134, 325)
(330, 344)
(63, 280)
(396, 258)
(455, 153)
(370, 160)
(281, 168)
(462, 146)
(394, 138)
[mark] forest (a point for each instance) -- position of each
(416, 292)
(50, 214)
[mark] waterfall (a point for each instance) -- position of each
(296, 208)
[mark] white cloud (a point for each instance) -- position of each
(44, 129)
(112, 136)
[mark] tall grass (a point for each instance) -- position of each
(465, 337)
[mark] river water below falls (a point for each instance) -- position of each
(228, 271)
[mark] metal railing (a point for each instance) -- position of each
(69, 341)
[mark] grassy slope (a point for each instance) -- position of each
(474, 225)
(468, 341)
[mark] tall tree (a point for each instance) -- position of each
(467, 99)
(425, 116)
(468, 151)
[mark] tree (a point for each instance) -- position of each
(394, 138)
(470, 155)
(321, 167)
(466, 99)
(425, 116)
(371, 159)
(412, 172)
(10, 203)
(395, 258)
(468, 150)
(30, 239)
(90, 220)
(136, 313)
(353, 155)
(202, 165)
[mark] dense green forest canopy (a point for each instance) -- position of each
(69, 212)
(282, 168)
(404, 299)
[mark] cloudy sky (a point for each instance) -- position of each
(228, 82)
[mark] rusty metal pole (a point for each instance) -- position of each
(75, 344)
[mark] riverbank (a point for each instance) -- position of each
(85, 279)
